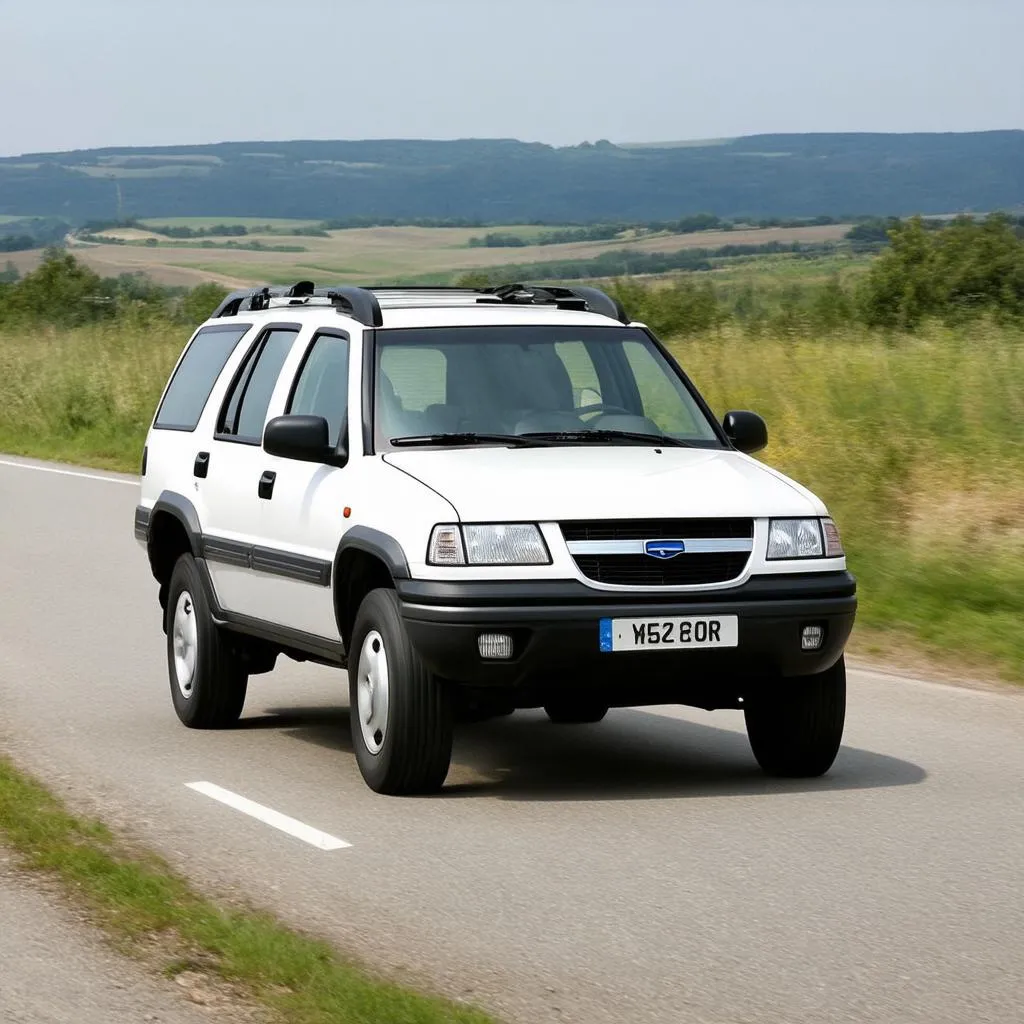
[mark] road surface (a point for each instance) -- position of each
(639, 870)
(54, 969)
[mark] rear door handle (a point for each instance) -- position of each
(266, 488)
(202, 464)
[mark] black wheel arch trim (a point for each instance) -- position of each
(184, 511)
(381, 545)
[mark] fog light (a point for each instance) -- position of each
(811, 638)
(494, 645)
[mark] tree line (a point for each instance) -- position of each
(956, 273)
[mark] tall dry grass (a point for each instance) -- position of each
(916, 443)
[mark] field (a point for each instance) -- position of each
(915, 442)
(368, 255)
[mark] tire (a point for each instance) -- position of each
(796, 730)
(208, 681)
(401, 713)
(575, 711)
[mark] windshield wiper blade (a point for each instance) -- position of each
(518, 440)
(610, 435)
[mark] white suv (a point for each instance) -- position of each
(478, 500)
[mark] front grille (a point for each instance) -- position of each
(644, 571)
(636, 569)
(655, 529)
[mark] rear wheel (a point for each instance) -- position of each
(795, 730)
(401, 713)
(207, 678)
(575, 710)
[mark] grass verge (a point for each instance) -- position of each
(136, 897)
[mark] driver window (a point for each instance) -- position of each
(660, 398)
(586, 386)
(322, 385)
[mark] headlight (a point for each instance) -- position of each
(795, 538)
(487, 544)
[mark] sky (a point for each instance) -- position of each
(89, 73)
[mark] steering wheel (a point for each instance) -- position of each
(602, 407)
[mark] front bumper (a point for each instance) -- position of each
(554, 626)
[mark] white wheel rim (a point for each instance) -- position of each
(372, 692)
(185, 640)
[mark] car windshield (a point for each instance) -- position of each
(555, 384)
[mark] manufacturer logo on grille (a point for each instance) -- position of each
(664, 548)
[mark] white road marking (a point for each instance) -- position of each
(69, 472)
(308, 834)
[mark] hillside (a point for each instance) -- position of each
(506, 181)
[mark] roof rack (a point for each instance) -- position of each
(364, 303)
(358, 303)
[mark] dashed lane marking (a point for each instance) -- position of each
(308, 834)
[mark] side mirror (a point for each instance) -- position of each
(306, 438)
(746, 430)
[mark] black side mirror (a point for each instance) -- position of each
(747, 431)
(306, 438)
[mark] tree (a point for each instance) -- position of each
(956, 272)
(900, 289)
(199, 302)
(62, 291)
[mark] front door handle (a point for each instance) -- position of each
(202, 464)
(266, 488)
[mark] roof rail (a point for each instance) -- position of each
(363, 302)
(359, 303)
(592, 300)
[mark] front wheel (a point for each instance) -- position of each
(207, 677)
(401, 713)
(795, 728)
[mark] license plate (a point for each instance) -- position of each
(669, 633)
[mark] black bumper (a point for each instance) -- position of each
(554, 626)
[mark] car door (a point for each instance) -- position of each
(235, 491)
(305, 518)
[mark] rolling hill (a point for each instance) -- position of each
(507, 181)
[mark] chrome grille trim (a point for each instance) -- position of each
(695, 546)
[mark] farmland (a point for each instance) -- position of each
(365, 255)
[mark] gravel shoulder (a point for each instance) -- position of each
(56, 967)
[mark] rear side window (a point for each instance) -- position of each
(245, 412)
(195, 376)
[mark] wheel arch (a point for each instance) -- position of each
(173, 530)
(366, 559)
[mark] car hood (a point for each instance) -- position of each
(489, 484)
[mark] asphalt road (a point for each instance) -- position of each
(639, 870)
(54, 969)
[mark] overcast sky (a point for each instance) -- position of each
(84, 73)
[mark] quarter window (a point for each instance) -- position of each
(245, 412)
(196, 373)
(322, 385)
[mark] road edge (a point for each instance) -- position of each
(152, 914)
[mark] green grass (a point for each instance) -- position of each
(915, 443)
(137, 897)
(917, 447)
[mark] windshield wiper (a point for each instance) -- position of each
(609, 435)
(518, 440)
